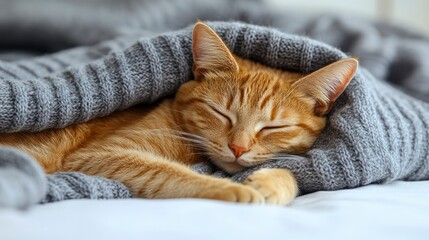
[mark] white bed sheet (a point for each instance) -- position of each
(392, 211)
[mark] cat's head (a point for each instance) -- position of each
(241, 113)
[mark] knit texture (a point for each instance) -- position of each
(64, 186)
(375, 132)
(22, 181)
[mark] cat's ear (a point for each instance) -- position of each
(209, 51)
(327, 84)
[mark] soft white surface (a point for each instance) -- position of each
(393, 211)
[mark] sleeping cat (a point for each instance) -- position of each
(235, 113)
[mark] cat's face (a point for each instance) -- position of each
(241, 113)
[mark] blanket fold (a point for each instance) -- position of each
(375, 133)
(144, 72)
(22, 181)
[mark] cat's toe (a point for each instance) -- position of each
(239, 193)
(271, 195)
(276, 188)
(250, 195)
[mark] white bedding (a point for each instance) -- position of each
(393, 211)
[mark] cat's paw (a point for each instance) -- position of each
(237, 193)
(278, 186)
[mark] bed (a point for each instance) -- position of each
(393, 211)
(380, 199)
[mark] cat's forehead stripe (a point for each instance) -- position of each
(264, 100)
(241, 95)
(229, 100)
(273, 114)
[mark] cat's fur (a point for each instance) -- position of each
(237, 113)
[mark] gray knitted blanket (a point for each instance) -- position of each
(63, 63)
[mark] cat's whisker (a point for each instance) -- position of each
(190, 134)
(195, 154)
(206, 143)
(173, 133)
(199, 141)
(190, 140)
(177, 132)
(198, 144)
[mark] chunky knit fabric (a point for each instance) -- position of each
(375, 133)
(64, 186)
(23, 183)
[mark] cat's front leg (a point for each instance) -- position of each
(278, 186)
(148, 175)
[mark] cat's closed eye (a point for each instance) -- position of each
(278, 127)
(223, 115)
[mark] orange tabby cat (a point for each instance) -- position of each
(236, 113)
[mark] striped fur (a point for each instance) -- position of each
(233, 107)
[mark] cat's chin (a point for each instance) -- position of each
(229, 167)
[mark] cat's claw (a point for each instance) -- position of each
(276, 185)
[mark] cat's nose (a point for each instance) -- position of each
(238, 150)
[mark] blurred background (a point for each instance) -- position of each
(35, 27)
(412, 14)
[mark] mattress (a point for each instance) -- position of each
(392, 211)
